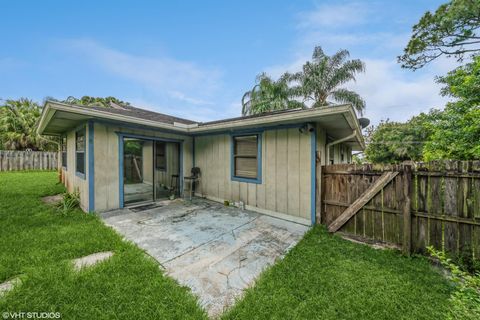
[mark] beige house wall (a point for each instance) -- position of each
(106, 143)
(286, 173)
(70, 179)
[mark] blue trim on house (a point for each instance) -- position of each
(66, 151)
(91, 168)
(132, 135)
(258, 180)
(120, 170)
(250, 130)
(313, 191)
(142, 127)
(122, 135)
(81, 128)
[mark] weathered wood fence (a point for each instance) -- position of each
(413, 206)
(28, 160)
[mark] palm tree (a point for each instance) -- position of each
(269, 95)
(18, 120)
(321, 78)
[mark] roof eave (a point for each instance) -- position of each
(58, 106)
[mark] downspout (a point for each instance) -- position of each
(328, 145)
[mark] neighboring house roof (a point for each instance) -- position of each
(339, 121)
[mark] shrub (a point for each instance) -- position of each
(465, 299)
(69, 202)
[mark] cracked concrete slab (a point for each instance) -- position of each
(215, 250)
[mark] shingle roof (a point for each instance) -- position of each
(142, 114)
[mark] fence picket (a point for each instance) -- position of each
(27, 160)
(444, 208)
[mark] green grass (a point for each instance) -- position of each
(323, 277)
(326, 277)
(37, 243)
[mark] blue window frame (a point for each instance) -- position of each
(246, 157)
(64, 152)
(80, 146)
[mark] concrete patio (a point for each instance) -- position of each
(215, 250)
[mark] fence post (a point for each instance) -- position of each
(407, 215)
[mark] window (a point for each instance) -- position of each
(160, 156)
(63, 149)
(246, 158)
(80, 151)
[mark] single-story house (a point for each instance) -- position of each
(123, 156)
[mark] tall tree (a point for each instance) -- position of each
(269, 95)
(453, 30)
(392, 142)
(321, 79)
(18, 120)
(456, 133)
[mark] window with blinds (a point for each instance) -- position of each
(80, 151)
(245, 156)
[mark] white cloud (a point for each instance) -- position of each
(334, 16)
(181, 80)
(392, 94)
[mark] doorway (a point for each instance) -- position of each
(151, 170)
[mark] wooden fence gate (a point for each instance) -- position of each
(413, 206)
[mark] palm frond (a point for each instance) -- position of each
(348, 96)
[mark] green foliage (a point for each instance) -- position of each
(327, 277)
(39, 244)
(392, 142)
(452, 30)
(18, 120)
(321, 78)
(95, 101)
(456, 132)
(453, 133)
(269, 95)
(465, 300)
(70, 201)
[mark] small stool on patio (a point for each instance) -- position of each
(192, 179)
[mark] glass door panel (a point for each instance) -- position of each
(167, 169)
(138, 171)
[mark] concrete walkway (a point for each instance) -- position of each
(215, 250)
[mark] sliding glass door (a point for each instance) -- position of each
(151, 170)
(138, 174)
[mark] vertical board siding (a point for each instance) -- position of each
(286, 176)
(107, 162)
(28, 160)
(444, 208)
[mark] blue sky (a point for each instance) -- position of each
(196, 59)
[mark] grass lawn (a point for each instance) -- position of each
(37, 243)
(323, 277)
(327, 277)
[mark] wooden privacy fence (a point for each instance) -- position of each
(28, 160)
(413, 206)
